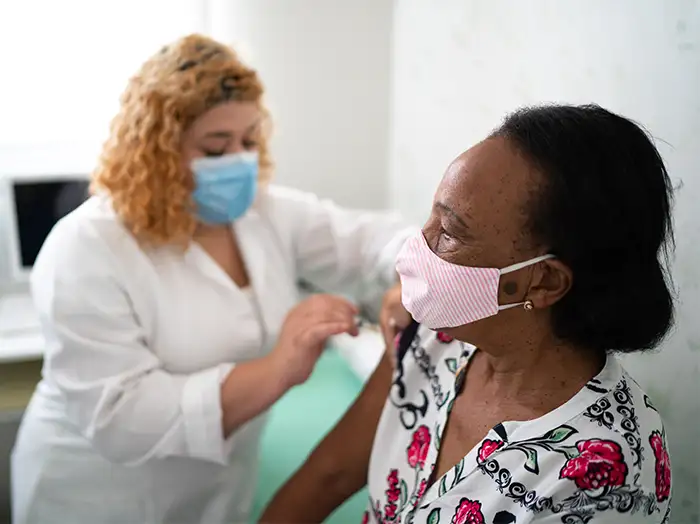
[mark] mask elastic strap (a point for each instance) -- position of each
(521, 265)
(510, 306)
(516, 267)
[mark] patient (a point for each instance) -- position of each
(544, 255)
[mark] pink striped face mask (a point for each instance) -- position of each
(439, 295)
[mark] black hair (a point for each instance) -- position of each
(604, 210)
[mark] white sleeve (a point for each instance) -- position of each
(115, 388)
(339, 250)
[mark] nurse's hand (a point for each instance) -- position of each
(305, 332)
(393, 319)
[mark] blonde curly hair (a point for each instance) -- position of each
(141, 167)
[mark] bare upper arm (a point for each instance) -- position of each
(354, 433)
(338, 467)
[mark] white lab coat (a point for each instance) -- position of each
(125, 426)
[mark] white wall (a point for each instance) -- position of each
(66, 63)
(325, 64)
(326, 68)
(460, 65)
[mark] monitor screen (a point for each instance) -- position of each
(39, 205)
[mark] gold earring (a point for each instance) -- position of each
(528, 305)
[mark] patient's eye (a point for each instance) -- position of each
(445, 241)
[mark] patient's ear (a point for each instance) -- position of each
(551, 281)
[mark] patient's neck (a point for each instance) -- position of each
(548, 367)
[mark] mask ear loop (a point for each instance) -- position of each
(528, 305)
(521, 265)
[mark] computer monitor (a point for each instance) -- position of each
(30, 205)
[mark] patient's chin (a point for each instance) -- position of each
(477, 333)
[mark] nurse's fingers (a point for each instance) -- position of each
(330, 314)
(318, 334)
(339, 316)
(337, 308)
(322, 303)
(339, 304)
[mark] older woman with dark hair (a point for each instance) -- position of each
(544, 255)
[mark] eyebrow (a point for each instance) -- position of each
(229, 134)
(451, 212)
(218, 134)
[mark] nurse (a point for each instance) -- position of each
(170, 308)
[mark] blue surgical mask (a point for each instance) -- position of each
(225, 186)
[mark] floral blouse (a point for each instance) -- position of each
(600, 458)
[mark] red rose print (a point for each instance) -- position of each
(662, 466)
(397, 340)
(468, 512)
(393, 478)
(444, 338)
(418, 450)
(365, 517)
(392, 494)
(599, 464)
(421, 490)
(488, 447)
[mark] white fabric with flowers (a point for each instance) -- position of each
(600, 458)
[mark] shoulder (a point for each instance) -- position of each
(91, 237)
(286, 200)
(426, 369)
(303, 214)
(289, 211)
(420, 347)
(292, 207)
(609, 463)
(624, 422)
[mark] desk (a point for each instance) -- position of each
(362, 352)
(17, 382)
(21, 347)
